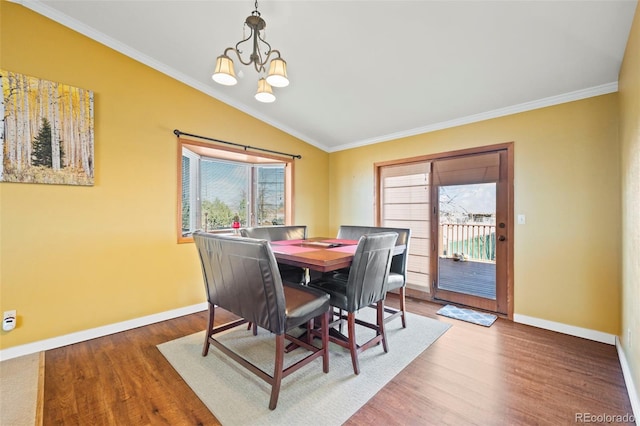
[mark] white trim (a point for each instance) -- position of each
(90, 32)
(571, 330)
(57, 342)
(576, 95)
(628, 380)
(51, 13)
(80, 336)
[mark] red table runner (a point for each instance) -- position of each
(287, 249)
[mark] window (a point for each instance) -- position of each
(216, 184)
(404, 202)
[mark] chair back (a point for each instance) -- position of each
(241, 276)
(370, 269)
(276, 233)
(399, 262)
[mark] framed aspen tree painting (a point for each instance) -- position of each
(46, 133)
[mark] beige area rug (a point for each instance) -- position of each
(21, 390)
(308, 396)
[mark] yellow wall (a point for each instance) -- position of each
(629, 88)
(73, 258)
(567, 183)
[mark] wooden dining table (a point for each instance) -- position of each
(318, 254)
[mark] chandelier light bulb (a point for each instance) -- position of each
(264, 93)
(224, 73)
(278, 73)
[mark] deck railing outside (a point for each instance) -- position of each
(475, 241)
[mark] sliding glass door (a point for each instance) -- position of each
(459, 208)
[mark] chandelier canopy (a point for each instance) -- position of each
(261, 53)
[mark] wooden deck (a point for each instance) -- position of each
(468, 277)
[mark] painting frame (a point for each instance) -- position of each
(47, 131)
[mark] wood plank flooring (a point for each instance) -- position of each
(508, 374)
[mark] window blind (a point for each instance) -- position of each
(478, 168)
(405, 203)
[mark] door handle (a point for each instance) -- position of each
(502, 238)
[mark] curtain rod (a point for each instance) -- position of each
(245, 147)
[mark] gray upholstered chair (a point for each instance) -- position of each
(365, 285)
(398, 272)
(289, 273)
(276, 232)
(241, 276)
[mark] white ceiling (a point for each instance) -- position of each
(364, 72)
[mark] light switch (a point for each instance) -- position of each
(521, 219)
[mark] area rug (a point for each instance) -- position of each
(468, 315)
(308, 396)
(22, 382)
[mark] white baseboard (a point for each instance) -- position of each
(597, 336)
(628, 380)
(571, 330)
(80, 336)
(68, 339)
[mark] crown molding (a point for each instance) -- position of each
(132, 53)
(102, 38)
(577, 95)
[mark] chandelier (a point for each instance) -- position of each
(277, 76)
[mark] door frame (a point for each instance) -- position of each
(506, 293)
(503, 304)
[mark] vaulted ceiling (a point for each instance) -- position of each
(365, 72)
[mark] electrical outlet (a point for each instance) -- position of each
(9, 320)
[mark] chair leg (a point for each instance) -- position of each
(277, 371)
(325, 342)
(401, 293)
(380, 323)
(353, 347)
(255, 328)
(205, 348)
(310, 325)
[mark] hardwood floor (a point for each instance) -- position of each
(508, 374)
